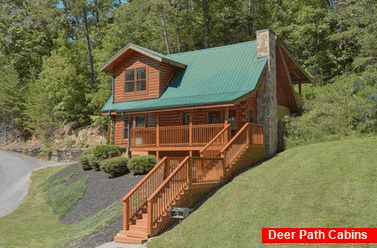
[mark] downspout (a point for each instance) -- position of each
(129, 136)
(112, 130)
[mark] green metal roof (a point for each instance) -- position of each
(212, 76)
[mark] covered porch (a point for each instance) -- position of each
(180, 132)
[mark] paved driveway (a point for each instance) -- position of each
(15, 171)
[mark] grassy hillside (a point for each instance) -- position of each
(35, 223)
(331, 184)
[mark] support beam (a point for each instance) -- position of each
(158, 130)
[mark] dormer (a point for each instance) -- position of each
(140, 73)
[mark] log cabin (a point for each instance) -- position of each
(204, 114)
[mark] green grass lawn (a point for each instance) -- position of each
(331, 184)
(35, 223)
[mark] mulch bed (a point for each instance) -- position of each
(101, 192)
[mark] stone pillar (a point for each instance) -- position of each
(267, 94)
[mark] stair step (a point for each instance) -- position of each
(120, 238)
(138, 228)
(136, 234)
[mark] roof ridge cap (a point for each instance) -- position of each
(212, 48)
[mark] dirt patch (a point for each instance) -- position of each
(101, 192)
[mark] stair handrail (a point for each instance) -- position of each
(157, 191)
(239, 133)
(132, 206)
(226, 128)
(137, 186)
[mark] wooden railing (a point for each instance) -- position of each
(205, 170)
(145, 136)
(249, 134)
(187, 135)
(191, 170)
(212, 149)
(160, 201)
(136, 199)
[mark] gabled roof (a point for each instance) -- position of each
(212, 76)
(108, 65)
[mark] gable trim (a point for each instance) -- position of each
(108, 66)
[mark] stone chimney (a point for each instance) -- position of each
(267, 94)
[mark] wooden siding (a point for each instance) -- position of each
(284, 85)
(133, 61)
(119, 131)
(166, 73)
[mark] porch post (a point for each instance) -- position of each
(226, 122)
(158, 130)
(190, 130)
(134, 128)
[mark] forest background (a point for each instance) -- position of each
(51, 52)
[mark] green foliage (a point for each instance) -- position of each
(85, 160)
(108, 151)
(56, 97)
(346, 107)
(115, 167)
(142, 164)
(91, 158)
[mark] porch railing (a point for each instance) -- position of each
(188, 135)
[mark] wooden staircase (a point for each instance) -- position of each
(183, 182)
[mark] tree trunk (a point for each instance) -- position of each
(165, 32)
(88, 45)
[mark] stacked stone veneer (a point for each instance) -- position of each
(68, 155)
(267, 95)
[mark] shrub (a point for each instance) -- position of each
(114, 167)
(108, 151)
(91, 158)
(85, 161)
(143, 164)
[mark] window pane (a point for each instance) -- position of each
(130, 75)
(141, 73)
(214, 117)
(186, 118)
(141, 85)
(140, 120)
(130, 87)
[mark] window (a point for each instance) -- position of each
(186, 118)
(140, 121)
(135, 80)
(151, 120)
(214, 117)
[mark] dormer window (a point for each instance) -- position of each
(135, 80)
